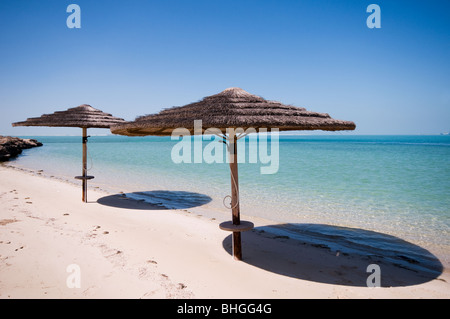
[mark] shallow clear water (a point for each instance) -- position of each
(394, 185)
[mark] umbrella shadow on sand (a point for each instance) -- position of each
(338, 255)
(155, 200)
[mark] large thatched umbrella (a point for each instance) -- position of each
(231, 109)
(84, 116)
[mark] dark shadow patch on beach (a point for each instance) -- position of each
(337, 255)
(155, 200)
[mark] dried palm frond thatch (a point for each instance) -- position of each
(232, 108)
(81, 116)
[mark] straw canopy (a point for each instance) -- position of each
(232, 108)
(84, 116)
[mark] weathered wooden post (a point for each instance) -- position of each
(236, 226)
(84, 172)
(237, 249)
(84, 176)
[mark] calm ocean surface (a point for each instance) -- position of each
(334, 187)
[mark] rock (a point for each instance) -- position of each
(10, 147)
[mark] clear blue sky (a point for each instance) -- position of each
(136, 57)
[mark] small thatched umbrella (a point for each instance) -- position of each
(232, 108)
(84, 116)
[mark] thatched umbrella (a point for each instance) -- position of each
(84, 116)
(232, 108)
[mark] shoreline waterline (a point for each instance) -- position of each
(340, 240)
(371, 183)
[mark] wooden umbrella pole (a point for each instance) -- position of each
(84, 173)
(237, 250)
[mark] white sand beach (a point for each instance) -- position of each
(139, 251)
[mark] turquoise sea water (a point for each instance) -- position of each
(393, 185)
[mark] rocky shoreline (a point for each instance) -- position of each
(10, 146)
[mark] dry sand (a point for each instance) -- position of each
(49, 239)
